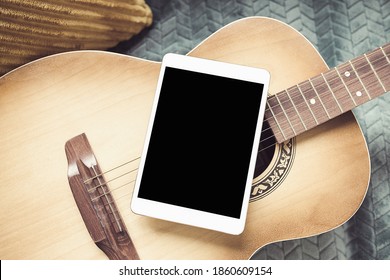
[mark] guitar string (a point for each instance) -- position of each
(112, 169)
(110, 204)
(128, 162)
(137, 158)
(112, 189)
(104, 183)
(113, 179)
(262, 140)
(335, 88)
(338, 87)
(337, 77)
(319, 115)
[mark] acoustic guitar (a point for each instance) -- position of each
(312, 170)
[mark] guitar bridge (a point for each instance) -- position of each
(95, 202)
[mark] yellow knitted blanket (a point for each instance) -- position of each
(30, 29)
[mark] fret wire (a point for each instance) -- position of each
(282, 122)
(340, 85)
(299, 115)
(376, 75)
(331, 91)
(273, 115)
(276, 116)
(341, 78)
(342, 90)
(335, 68)
(304, 99)
(323, 106)
(277, 123)
(385, 55)
(368, 78)
(288, 119)
(388, 60)
(357, 75)
(343, 84)
(381, 67)
(337, 87)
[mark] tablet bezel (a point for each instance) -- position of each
(181, 214)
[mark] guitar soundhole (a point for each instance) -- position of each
(266, 150)
(273, 164)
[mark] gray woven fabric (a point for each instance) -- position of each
(340, 30)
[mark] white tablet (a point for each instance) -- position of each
(201, 144)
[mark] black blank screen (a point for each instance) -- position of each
(201, 142)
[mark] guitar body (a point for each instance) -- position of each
(109, 96)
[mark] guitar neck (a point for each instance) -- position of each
(330, 94)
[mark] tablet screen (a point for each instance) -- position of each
(200, 148)
(201, 142)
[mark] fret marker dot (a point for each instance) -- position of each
(347, 74)
(312, 101)
(359, 93)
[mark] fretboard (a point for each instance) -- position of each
(328, 95)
